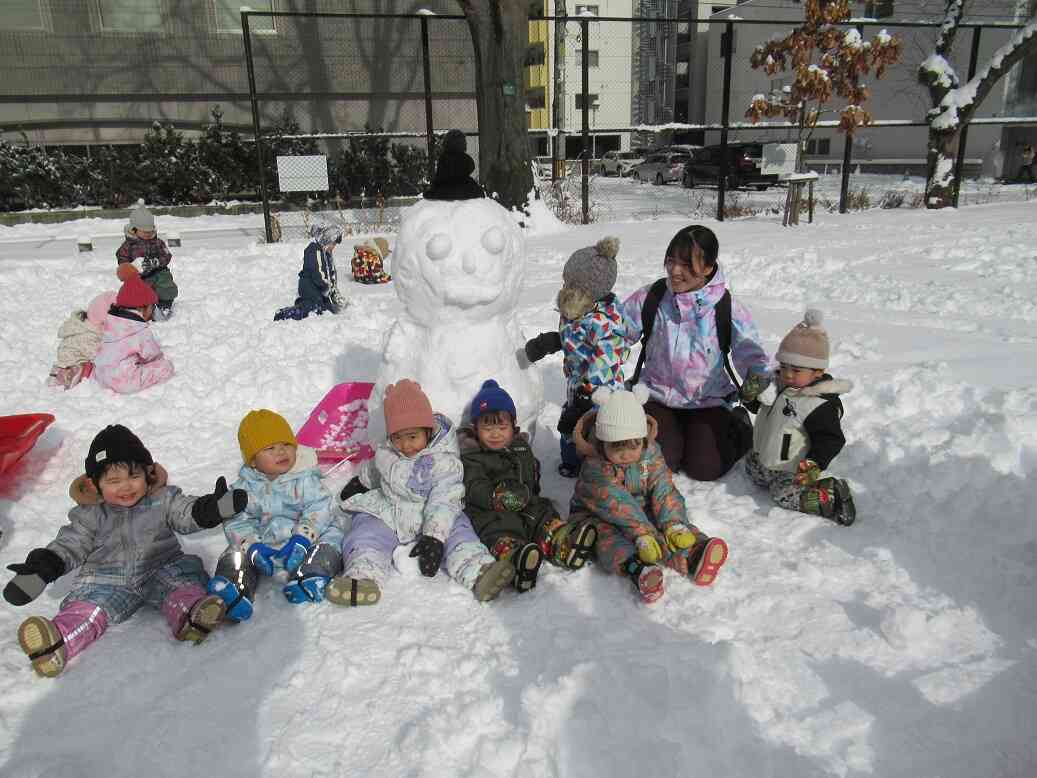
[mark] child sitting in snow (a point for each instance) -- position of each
(318, 279)
(502, 494)
(626, 487)
(413, 490)
(123, 540)
(149, 255)
(592, 334)
(798, 435)
(286, 524)
(368, 262)
(79, 338)
(129, 358)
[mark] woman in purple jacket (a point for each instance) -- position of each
(691, 394)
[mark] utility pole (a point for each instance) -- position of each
(558, 106)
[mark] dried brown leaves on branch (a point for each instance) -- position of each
(825, 59)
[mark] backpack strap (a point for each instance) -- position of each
(722, 312)
(649, 308)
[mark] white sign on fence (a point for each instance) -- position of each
(302, 174)
(778, 159)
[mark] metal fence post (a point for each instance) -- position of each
(844, 184)
(427, 71)
(585, 76)
(726, 50)
(255, 124)
(963, 136)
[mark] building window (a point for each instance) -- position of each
(535, 99)
(717, 9)
(22, 15)
(228, 15)
(819, 146)
(591, 9)
(592, 101)
(130, 15)
(882, 9)
(592, 58)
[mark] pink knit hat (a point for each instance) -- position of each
(135, 294)
(98, 309)
(406, 407)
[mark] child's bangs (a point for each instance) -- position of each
(495, 417)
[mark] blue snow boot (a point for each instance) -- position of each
(307, 590)
(235, 581)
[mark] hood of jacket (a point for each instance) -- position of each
(822, 386)
(586, 441)
(76, 324)
(305, 462)
(83, 491)
(118, 328)
(692, 305)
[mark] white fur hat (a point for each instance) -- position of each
(621, 415)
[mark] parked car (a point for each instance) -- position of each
(619, 163)
(661, 168)
(743, 167)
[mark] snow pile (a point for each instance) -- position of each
(903, 646)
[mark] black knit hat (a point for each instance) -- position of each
(114, 444)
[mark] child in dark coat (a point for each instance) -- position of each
(502, 494)
(798, 435)
(318, 279)
(147, 252)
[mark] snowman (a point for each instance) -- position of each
(458, 269)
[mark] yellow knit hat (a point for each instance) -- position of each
(260, 429)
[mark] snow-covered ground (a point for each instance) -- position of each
(903, 646)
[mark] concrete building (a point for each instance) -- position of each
(896, 96)
(102, 71)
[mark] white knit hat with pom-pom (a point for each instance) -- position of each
(806, 345)
(621, 415)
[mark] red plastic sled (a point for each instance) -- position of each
(337, 427)
(18, 434)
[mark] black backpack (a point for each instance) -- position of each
(722, 311)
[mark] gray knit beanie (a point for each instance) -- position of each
(593, 269)
(141, 218)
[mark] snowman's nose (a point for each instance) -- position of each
(439, 246)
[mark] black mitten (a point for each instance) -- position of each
(222, 504)
(355, 486)
(40, 568)
(543, 344)
(572, 411)
(429, 552)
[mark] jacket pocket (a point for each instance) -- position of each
(786, 441)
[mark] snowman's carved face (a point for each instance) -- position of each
(460, 259)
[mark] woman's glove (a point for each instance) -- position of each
(222, 504)
(429, 551)
(40, 568)
(510, 496)
(807, 473)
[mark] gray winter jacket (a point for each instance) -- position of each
(125, 546)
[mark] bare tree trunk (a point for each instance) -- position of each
(500, 35)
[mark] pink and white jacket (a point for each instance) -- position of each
(130, 358)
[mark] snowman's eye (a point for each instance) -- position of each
(439, 246)
(493, 240)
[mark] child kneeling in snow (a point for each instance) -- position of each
(148, 254)
(413, 489)
(502, 494)
(130, 358)
(798, 435)
(318, 279)
(286, 524)
(79, 338)
(122, 540)
(626, 487)
(593, 335)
